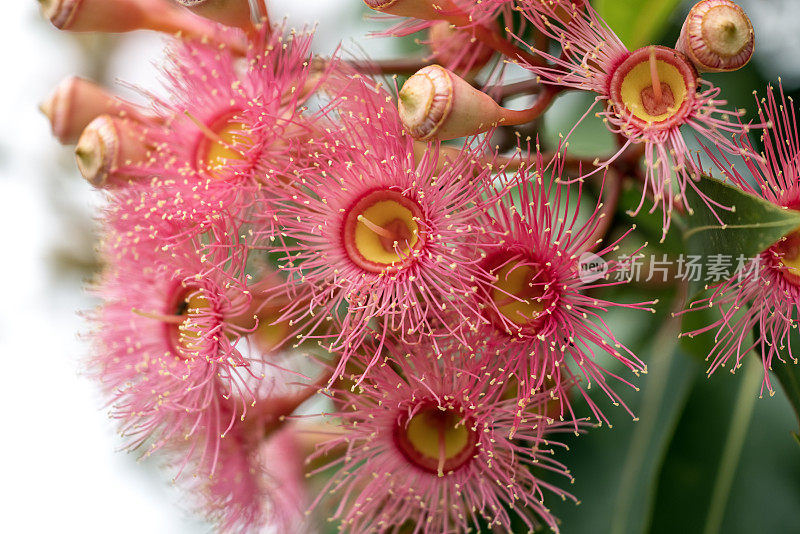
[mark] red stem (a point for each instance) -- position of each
(409, 65)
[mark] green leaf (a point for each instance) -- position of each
(666, 391)
(787, 371)
(601, 459)
(637, 22)
(750, 226)
(741, 416)
(788, 374)
(765, 481)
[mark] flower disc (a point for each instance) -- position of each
(437, 440)
(185, 335)
(213, 155)
(654, 86)
(521, 294)
(787, 252)
(381, 231)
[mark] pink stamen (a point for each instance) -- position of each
(442, 452)
(211, 134)
(657, 93)
(383, 232)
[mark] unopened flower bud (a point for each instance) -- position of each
(108, 148)
(717, 36)
(75, 102)
(457, 48)
(418, 9)
(436, 103)
(115, 16)
(229, 12)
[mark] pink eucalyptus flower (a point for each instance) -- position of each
(258, 480)
(765, 291)
(463, 13)
(229, 132)
(373, 235)
(540, 320)
(165, 340)
(428, 449)
(649, 94)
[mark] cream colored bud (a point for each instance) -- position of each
(717, 36)
(108, 148)
(437, 104)
(75, 102)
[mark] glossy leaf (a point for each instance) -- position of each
(788, 374)
(749, 227)
(764, 483)
(666, 391)
(637, 22)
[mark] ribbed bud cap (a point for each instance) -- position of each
(717, 36)
(109, 146)
(435, 103)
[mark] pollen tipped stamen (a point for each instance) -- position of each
(442, 450)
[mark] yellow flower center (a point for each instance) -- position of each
(654, 86)
(436, 440)
(188, 333)
(270, 334)
(788, 252)
(521, 294)
(517, 294)
(222, 144)
(382, 231)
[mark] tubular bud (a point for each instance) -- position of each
(229, 12)
(75, 102)
(418, 9)
(436, 103)
(115, 16)
(717, 36)
(107, 147)
(457, 48)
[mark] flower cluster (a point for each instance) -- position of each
(283, 226)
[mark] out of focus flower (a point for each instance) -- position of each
(229, 133)
(258, 479)
(166, 338)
